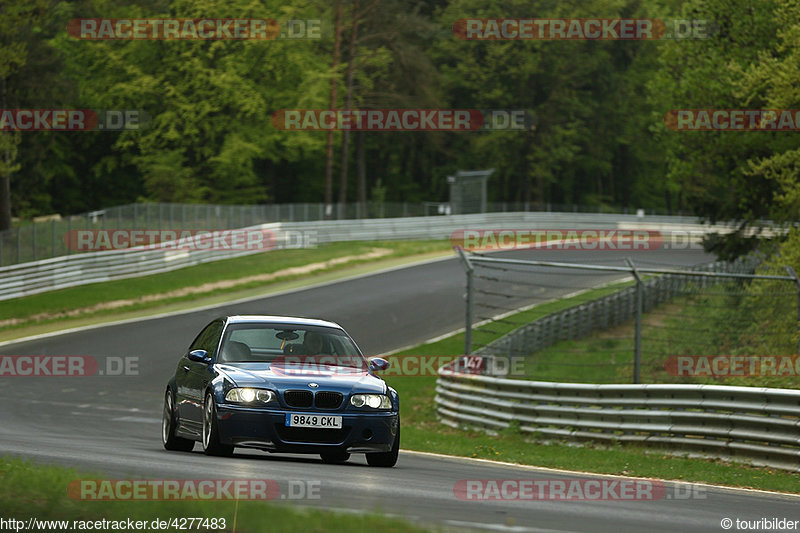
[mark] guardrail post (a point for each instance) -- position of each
(793, 274)
(637, 343)
(468, 297)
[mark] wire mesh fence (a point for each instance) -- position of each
(43, 239)
(718, 323)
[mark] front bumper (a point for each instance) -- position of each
(265, 428)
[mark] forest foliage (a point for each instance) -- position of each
(599, 106)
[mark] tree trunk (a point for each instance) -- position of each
(334, 85)
(5, 175)
(361, 174)
(348, 104)
(5, 194)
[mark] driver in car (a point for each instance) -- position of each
(312, 343)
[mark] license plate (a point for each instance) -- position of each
(299, 420)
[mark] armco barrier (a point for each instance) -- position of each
(757, 425)
(90, 267)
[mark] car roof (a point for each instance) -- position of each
(274, 319)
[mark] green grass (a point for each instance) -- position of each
(422, 431)
(718, 322)
(30, 490)
(73, 306)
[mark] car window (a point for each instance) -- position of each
(208, 339)
(266, 342)
(263, 338)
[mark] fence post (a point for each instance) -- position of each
(793, 274)
(637, 346)
(53, 238)
(69, 232)
(19, 244)
(468, 326)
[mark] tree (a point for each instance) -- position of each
(22, 50)
(709, 172)
(210, 138)
(334, 85)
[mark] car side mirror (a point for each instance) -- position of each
(200, 356)
(378, 363)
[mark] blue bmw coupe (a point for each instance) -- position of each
(281, 384)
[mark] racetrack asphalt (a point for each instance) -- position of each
(111, 424)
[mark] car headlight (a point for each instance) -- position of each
(247, 395)
(376, 401)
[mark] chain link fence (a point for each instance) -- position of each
(664, 326)
(43, 239)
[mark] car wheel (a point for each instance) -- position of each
(334, 457)
(211, 444)
(386, 459)
(169, 428)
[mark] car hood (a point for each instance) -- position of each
(260, 375)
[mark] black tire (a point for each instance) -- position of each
(169, 428)
(334, 457)
(211, 444)
(386, 459)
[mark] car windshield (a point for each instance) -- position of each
(272, 343)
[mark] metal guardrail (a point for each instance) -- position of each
(758, 425)
(43, 237)
(91, 267)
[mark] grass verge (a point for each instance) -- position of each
(423, 432)
(720, 323)
(205, 284)
(30, 491)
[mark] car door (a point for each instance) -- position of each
(193, 376)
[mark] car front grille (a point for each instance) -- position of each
(313, 435)
(328, 400)
(298, 398)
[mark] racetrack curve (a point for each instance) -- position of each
(112, 424)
